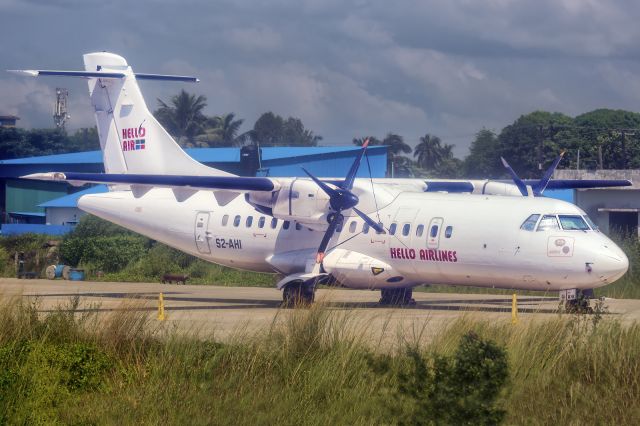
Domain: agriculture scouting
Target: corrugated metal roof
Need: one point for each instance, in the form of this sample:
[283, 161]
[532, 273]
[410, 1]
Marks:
[203, 155]
[71, 200]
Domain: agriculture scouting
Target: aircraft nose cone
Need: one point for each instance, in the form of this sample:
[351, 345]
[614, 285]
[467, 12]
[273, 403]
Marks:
[611, 265]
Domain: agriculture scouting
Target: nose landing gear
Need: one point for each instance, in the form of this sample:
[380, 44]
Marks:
[577, 301]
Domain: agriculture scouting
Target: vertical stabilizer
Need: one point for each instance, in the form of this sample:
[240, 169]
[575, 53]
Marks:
[131, 139]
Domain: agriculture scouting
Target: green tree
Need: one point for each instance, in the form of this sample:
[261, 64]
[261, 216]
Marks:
[183, 117]
[483, 161]
[222, 130]
[533, 141]
[273, 130]
[429, 152]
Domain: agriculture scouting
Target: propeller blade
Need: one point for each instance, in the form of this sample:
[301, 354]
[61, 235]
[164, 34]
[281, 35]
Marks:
[519, 183]
[351, 176]
[337, 218]
[372, 223]
[539, 187]
[326, 188]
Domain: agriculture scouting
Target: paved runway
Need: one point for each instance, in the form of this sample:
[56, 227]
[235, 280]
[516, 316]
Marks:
[232, 311]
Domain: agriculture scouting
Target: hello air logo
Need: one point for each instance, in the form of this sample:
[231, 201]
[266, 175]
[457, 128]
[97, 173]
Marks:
[133, 138]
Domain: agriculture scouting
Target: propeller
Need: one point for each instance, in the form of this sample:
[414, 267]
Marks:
[538, 187]
[341, 198]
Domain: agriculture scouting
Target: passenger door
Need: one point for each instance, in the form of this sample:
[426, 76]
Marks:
[201, 233]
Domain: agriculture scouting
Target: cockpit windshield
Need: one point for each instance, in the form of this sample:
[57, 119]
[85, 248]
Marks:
[530, 223]
[573, 223]
[548, 222]
[590, 223]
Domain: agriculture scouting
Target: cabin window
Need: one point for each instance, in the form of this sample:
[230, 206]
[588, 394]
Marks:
[225, 220]
[365, 228]
[419, 230]
[406, 229]
[392, 229]
[249, 221]
[236, 221]
[274, 223]
[530, 223]
[548, 222]
[261, 222]
[352, 227]
[573, 223]
[448, 231]
[298, 226]
[434, 231]
[285, 225]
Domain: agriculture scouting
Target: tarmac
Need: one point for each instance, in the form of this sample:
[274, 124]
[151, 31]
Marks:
[230, 312]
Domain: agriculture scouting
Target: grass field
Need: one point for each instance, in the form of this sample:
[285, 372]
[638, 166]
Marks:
[70, 367]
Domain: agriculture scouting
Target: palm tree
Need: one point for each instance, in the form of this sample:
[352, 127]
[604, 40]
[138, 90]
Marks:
[396, 144]
[372, 141]
[430, 151]
[183, 117]
[222, 130]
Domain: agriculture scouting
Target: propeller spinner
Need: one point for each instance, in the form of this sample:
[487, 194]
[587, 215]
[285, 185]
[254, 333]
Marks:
[341, 198]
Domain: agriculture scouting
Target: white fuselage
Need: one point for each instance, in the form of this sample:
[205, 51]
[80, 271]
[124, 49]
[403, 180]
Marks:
[455, 239]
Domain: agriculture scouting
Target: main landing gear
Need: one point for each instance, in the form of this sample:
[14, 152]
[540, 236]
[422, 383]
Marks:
[298, 294]
[397, 297]
[577, 301]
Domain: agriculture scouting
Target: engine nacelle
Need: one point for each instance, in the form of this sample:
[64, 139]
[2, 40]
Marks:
[300, 200]
[501, 188]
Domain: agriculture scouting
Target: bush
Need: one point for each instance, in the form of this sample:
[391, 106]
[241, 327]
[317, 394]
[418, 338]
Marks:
[458, 389]
[108, 254]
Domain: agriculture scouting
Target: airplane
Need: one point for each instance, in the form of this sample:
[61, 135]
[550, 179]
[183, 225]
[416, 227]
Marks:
[380, 234]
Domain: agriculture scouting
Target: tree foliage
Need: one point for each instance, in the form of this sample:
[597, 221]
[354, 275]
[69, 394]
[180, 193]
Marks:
[20, 143]
[182, 117]
[273, 130]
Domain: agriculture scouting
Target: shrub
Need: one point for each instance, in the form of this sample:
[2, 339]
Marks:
[107, 254]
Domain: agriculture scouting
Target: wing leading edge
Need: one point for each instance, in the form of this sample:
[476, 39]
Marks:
[229, 183]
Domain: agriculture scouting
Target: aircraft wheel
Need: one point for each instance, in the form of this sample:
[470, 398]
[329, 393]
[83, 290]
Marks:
[297, 294]
[397, 297]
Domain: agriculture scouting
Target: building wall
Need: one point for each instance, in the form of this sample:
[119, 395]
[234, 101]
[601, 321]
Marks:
[63, 215]
[25, 195]
[593, 199]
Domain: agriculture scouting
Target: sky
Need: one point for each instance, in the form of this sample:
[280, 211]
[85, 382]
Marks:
[346, 68]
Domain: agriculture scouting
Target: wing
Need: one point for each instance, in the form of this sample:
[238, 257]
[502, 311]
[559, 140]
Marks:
[228, 183]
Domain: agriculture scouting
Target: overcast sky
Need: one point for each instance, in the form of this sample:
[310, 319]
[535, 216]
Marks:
[346, 68]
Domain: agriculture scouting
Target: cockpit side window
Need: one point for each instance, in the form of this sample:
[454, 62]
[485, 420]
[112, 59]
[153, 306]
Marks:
[573, 223]
[590, 222]
[548, 222]
[530, 223]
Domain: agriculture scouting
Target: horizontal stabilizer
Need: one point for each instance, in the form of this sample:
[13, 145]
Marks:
[230, 183]
[104, 74]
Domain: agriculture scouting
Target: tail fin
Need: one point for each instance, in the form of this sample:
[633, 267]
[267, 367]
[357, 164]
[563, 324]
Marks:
[131, 139]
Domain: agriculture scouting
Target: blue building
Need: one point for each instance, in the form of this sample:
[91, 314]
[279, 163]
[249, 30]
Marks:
[51, 207]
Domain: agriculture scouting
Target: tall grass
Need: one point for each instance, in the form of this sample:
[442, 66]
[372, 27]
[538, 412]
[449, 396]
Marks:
[310, 366]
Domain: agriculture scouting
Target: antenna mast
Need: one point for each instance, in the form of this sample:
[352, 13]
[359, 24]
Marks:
[60, 115]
